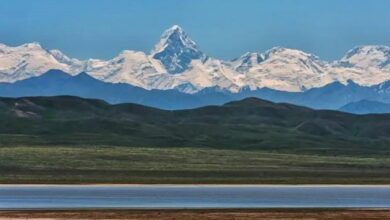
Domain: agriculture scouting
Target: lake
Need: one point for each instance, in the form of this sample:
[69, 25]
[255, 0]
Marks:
[192, 196]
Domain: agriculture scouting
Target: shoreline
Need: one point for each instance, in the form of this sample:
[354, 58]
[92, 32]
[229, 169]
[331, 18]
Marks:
[195, 197]
[191, 185]
[208, 214]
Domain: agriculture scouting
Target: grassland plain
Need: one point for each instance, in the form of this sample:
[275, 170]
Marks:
[107, 164]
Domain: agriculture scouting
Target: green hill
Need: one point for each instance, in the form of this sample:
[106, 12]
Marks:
[248, 124]
[70, 139]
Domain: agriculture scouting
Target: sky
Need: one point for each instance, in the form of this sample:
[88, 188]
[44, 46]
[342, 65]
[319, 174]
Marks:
[223, 29]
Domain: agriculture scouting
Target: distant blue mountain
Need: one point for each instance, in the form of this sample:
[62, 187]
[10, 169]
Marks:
[331, 96]
[366, 107]
[55, 82]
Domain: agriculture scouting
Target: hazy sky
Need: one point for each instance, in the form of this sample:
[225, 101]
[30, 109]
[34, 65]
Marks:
[222, 28]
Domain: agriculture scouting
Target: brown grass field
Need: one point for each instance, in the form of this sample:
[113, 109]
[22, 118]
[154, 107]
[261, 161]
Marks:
[233, 214]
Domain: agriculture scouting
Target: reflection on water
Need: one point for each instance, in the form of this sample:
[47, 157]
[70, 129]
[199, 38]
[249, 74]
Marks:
[194, 196]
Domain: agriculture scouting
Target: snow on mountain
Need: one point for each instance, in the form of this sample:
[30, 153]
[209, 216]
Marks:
[176, 50]
[294, 70]
[73, 65]
[211, 73]
[135, 68]
[32, 59]
[247, 61]
[366, 57]
[383, 88]
[365, 65]
[176, 62]
[287, 70]
[363, 77]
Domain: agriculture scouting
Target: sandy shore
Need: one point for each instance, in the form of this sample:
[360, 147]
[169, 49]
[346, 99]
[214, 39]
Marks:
[193, 185]
[234, 214]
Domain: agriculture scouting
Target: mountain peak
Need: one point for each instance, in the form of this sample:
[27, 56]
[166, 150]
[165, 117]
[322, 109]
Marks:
[174, 34]
[176, 50]
[289, 52]
[53, 74]
[33, 45]
[367, 56]
[176, 28]
[366, 50]
[290, 55]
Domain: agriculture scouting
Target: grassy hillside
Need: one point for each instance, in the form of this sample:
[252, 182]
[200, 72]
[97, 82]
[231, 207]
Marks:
[69, 139]
[247, 124]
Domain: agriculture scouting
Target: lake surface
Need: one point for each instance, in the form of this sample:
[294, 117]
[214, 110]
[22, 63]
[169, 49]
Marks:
[191, 196]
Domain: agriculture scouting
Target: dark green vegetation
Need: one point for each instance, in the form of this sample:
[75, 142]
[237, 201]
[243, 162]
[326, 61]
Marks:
[69, 139]
[88, 164]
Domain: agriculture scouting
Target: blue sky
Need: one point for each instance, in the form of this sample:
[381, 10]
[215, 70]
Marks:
[222, 28]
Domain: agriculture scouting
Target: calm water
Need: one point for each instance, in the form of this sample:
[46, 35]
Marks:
[176, 196]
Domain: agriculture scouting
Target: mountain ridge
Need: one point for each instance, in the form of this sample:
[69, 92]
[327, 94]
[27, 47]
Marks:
[56, 82]
[366, 107]
[177, 63]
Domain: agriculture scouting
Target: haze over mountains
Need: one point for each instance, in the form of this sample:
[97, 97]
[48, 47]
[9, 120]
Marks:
[366, 107]
[176, 70]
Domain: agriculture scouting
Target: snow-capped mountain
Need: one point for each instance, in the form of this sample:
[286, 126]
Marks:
[135, 68]
[365, 65]
[176, 50]
[366, 57]
[176, 62]
[28, 60]
[247, 61]
[287, 70]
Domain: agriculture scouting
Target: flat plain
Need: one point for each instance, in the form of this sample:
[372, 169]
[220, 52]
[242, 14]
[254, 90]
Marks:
[107, 164]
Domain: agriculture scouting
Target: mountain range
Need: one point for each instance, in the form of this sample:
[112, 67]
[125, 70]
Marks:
[176, 74]
[366, 107]
[56, 82]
